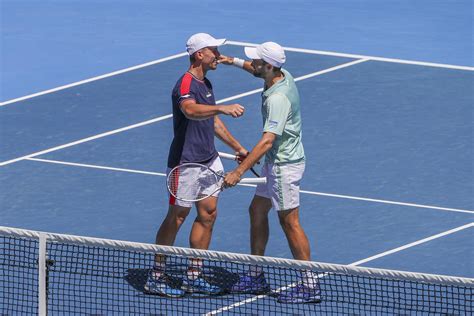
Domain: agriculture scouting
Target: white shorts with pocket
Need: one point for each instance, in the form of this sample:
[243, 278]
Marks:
[189, 176]
[283, 184]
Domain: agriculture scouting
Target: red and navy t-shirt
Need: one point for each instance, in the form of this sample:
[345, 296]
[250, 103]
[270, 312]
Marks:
[193, 140]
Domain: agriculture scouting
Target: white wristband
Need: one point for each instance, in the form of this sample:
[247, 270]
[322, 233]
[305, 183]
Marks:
[238, 62]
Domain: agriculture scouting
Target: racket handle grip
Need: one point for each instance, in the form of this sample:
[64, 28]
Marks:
[227, 156]
[253, 180]
[230, 157]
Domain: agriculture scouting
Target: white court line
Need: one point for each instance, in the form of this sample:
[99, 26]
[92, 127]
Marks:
[413, 244]
[253, 185]
[387, 202]
[237, 43]
[380, 255]
[164, 117]
[58, 162]
[314, 74]
[332, 69]
[389, 60]
[118, 72]
[87, 139]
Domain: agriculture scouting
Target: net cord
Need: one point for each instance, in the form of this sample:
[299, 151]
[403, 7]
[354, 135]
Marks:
[241, 258]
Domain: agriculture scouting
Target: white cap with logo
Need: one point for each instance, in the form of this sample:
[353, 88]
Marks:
[200, 40]
[270, 52]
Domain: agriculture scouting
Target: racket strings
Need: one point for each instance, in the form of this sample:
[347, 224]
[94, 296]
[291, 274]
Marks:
[192, 182]
[207, 182]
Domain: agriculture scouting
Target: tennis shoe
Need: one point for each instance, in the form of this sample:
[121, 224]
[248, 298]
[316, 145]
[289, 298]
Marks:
[161, 286]
[251, 285]
[300, 294]
[200, 286]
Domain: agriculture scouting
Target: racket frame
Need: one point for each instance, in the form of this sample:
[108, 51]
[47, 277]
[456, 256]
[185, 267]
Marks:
[217, 175]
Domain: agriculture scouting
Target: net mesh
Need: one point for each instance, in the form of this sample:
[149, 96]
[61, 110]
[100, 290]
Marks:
[106, 278]
[18, 276]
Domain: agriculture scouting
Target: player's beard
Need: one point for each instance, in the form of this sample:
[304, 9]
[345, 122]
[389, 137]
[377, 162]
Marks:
[258, 73]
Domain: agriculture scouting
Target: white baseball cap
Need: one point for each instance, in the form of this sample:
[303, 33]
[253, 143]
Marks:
[200, 40]
[270, 52]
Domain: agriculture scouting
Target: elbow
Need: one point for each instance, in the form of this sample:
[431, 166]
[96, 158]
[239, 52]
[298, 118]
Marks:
[190, 114]
[267, 141]
[267, 144]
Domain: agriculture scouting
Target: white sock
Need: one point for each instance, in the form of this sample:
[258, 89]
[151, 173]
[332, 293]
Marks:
[194, 269]
[193, 274]
[158, 270]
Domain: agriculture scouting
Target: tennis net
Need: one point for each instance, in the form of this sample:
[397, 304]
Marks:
[55, 274]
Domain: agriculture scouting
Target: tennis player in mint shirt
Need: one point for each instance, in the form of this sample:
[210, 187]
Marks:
[284, 167]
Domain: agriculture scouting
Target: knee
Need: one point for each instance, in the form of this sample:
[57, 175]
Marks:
[289, 224]
[208, 217]
[259, 207]
[257, 216]
[180, 218]
[177, 218]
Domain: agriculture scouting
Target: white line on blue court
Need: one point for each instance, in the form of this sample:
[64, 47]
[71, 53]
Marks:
[314, 74]
[157, 119]
[386, 201]
[252, 185]
[74, 164]
[118, 72]
[357, 263]
[413, 244]
[389, 60]
[80, 141]
[237, 43]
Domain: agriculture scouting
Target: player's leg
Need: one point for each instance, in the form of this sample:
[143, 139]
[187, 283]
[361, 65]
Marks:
[287, 194]
[259, 230]
[158, 282]
[295, 235]
[200, 238]
[253, 281]
[308, 290]
[169, 228]
[201, 232]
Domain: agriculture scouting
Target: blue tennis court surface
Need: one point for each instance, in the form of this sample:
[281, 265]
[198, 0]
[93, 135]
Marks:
[389, 177]
[389, 160]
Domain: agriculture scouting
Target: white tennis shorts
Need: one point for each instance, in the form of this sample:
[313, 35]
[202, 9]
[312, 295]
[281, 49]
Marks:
[189, 176]
[283, 184]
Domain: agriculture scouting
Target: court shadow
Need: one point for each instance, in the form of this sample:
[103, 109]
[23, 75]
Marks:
[220, 277]
[137, 279]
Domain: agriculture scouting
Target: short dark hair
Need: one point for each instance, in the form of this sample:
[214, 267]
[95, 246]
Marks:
[192, 58]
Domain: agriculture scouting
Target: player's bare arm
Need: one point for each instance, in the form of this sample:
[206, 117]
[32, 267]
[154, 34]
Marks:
[264, 145]
[196, 111]
[227, 60]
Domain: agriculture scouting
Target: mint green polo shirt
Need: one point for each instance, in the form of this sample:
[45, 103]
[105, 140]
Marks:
[282, 117]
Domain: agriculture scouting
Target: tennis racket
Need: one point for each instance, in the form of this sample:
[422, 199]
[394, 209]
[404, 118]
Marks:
[206, 182]
[236, 158]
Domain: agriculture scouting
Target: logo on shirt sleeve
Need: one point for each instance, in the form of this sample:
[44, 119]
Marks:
[272, 124]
